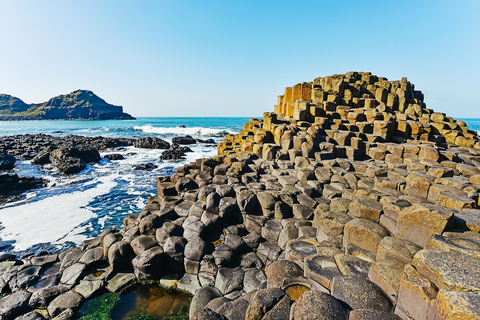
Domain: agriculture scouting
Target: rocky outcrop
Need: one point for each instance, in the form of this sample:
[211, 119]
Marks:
[351, 201]
[80, 104]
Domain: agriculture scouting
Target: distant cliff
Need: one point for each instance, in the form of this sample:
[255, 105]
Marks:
[78, 105]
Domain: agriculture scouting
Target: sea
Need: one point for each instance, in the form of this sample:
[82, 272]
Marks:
[74, 208]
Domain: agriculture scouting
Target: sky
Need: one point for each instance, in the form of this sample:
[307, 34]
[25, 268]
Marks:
[233, 58]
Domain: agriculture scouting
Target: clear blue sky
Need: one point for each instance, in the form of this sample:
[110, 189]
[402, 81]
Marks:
[233, 58]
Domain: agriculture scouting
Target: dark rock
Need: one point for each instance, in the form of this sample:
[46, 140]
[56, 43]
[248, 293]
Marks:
[151, 143]
[360, 293]
[151, 261]
[14, 304]
[119, 256]
[32, 315]
[7, 161]
[168, 230]
[145, 166]
[183, 140]
[229, 280]
[114, 156]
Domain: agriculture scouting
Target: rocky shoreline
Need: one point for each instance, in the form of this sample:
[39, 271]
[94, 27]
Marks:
[352, 200]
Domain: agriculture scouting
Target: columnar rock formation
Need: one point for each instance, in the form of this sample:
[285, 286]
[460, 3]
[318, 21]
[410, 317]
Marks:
[351, 201]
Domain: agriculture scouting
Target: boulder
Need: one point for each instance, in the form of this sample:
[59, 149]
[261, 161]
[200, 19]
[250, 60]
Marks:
[365, 208]
[69, 299]
[14, 304]
[281, 269]
[316, 305]
[184, 140]
[151, 143]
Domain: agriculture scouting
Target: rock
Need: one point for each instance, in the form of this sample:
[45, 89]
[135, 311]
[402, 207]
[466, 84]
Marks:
[189, 283]
[119, 256]
[72, 274]
[456, 305]
[142, 243]
[316, 305]
[263, 302]
[372, 314]
[299, 249]
[350, 265]
[281, 269]
[168, 229]
[151, 261]
[207, 314]
[114, 156]
[14, 304]
[387, 274]
[203, 296]
[151, 143]
[451, 270]
[419, 222]
[302, 212]
[88, 288]
[69, 299]
[365, 208]
[253, 279]
[235, 310]
[195, 249]
[364, 234]
[7, 162]
[145, 166]
[360, 293]
[32, 315]
[229, 280]
[393, 248]
[184, 140]
[120, 281]
[73, 159]
[321, 269]
[415, 296]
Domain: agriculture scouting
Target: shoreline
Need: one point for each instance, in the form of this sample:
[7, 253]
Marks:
[318, 210]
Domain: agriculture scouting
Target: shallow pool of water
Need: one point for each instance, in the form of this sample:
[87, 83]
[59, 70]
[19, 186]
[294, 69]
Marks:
[141, 302]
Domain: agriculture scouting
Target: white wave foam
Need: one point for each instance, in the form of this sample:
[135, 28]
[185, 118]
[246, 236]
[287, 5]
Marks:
[200, 131]
[55, 220]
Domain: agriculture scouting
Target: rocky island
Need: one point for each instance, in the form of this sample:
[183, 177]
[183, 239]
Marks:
[352, 200]
[78, 105]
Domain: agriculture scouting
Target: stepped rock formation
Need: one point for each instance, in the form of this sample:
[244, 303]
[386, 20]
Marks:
[351, 200]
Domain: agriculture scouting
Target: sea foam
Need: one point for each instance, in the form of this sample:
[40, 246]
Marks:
[200, 131]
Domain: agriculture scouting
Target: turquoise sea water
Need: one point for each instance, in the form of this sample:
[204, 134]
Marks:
[74, 208]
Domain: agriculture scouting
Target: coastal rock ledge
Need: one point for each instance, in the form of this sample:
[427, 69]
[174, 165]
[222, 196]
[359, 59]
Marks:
[352, 200]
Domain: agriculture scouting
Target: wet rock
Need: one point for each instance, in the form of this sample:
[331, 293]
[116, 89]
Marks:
[151, 143]
[73, 159]
[7, 161]
[184, 140]
[145, 166]
[114, 156]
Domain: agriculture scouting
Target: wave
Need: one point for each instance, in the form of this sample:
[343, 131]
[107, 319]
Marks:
[199, 131]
